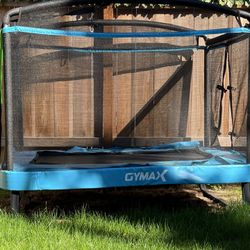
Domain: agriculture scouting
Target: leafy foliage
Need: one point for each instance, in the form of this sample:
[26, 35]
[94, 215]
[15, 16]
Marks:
[228, 3]
[231, 3]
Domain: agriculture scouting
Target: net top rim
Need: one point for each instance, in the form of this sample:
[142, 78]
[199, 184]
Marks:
[187, 3]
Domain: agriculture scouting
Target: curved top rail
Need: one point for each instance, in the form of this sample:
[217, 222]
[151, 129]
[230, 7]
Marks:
[117, 22]
[187, 3]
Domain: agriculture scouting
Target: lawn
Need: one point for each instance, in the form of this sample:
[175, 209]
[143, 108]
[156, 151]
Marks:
[143, 226]
[148, 228]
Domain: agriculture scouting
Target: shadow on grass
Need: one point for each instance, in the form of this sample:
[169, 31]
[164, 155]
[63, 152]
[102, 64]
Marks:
[180, 218]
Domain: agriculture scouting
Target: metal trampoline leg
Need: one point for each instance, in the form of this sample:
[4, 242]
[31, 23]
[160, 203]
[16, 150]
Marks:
[246, 192]
[15, 201]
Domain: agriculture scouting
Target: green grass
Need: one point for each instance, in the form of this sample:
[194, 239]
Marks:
[147, 228]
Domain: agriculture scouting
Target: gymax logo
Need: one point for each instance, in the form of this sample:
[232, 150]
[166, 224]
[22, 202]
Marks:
[146, 176]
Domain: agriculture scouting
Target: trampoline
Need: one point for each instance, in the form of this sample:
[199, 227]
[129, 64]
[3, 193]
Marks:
[102, 95]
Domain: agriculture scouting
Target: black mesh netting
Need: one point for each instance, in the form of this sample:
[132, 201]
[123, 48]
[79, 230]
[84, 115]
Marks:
[215, 80]
[228, 75]
[58, 81]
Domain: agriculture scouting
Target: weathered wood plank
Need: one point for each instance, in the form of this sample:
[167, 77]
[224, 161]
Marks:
[103, 104]
[61, 142]
[147, 141]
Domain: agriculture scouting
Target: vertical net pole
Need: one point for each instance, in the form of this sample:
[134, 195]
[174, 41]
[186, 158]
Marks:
[8, 101]
[246, 186]
[1, 100]
[207, 102]
[1, 65]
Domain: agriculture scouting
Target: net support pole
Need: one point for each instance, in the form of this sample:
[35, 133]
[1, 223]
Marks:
[246, 186]
[107, 86]
[98, 81]
[207, 103]
[8, 101]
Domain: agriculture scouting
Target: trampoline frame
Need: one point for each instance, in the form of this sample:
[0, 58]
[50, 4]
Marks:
[17, 181]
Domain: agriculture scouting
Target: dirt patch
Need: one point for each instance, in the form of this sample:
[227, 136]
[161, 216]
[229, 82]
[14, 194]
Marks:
[111, 200]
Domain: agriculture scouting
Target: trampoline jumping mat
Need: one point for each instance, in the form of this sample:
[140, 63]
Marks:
[57, 157]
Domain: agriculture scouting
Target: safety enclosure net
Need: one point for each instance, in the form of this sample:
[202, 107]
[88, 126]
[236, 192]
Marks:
[87, 75]
[228, 74]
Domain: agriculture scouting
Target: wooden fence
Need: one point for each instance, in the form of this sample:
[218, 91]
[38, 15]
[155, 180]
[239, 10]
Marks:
[71, 113]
